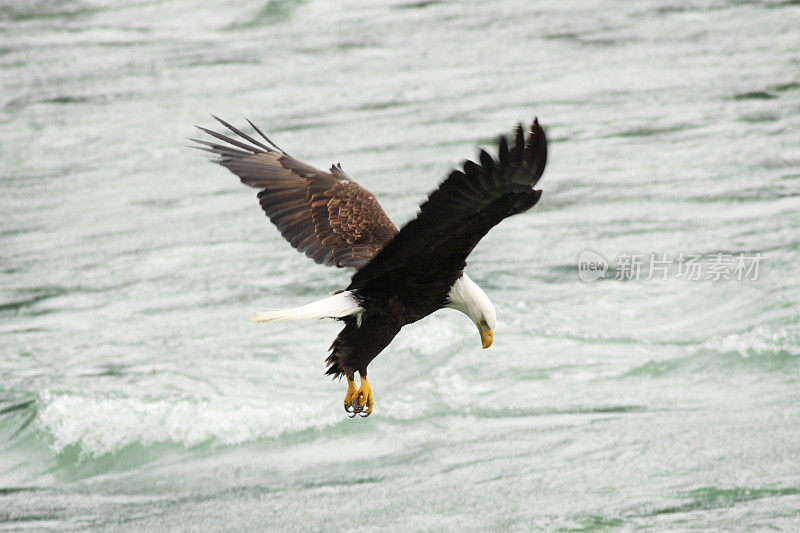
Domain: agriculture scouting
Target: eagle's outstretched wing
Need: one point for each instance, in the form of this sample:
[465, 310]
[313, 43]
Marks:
[325, 215]
[462, 210]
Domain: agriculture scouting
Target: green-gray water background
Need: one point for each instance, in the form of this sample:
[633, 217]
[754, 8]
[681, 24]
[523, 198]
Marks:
[136, 395]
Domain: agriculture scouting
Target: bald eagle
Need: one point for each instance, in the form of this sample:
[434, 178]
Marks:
[401, 275]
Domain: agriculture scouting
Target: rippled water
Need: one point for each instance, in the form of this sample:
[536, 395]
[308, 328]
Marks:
[135, 394]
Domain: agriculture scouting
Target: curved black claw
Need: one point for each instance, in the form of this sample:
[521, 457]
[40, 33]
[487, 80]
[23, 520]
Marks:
[365, 414]
[353, 408]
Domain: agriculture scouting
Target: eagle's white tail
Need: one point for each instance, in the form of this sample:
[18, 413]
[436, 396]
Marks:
[335, 306]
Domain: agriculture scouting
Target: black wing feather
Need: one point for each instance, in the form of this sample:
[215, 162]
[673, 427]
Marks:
[462, 210]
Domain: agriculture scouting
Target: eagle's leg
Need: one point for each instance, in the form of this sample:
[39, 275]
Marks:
[351, 397]
[364, 397]
[353, 350]
[358, 401]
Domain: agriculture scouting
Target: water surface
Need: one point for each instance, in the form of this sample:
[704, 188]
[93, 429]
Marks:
[136, 395]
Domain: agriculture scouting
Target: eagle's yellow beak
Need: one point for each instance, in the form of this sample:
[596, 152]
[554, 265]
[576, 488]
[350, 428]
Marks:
[487, 336]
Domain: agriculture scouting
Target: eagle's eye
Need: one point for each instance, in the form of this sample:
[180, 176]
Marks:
[484, 322]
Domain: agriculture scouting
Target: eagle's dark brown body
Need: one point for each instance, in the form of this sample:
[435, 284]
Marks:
[400, 304]
[401, 276]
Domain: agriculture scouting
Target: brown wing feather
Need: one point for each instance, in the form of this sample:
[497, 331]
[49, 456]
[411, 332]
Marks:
[325, 215]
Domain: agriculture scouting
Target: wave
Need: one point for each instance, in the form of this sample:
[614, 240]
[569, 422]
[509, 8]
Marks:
[764, 349]
[100, 426]
[761, 342]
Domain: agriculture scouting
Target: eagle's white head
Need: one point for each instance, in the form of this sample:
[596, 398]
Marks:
[467, 297]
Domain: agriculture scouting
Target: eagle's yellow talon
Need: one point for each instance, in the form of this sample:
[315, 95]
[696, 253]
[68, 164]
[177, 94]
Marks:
[365, 398]
[358, 400]
[368, 411]
[351, 395]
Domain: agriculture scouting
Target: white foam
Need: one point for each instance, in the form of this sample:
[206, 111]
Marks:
[760, 342]
[100, 426]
